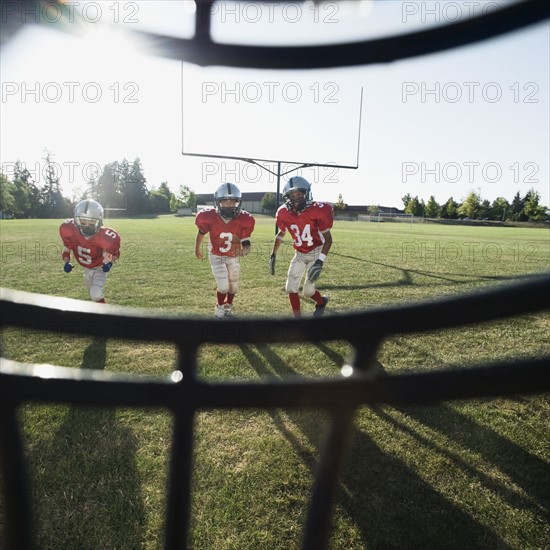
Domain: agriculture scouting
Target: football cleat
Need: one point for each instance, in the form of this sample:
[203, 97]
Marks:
[219, 312]
[228, 308]
[319, 310]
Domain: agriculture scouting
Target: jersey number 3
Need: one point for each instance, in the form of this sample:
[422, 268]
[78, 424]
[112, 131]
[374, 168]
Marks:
[228, 242]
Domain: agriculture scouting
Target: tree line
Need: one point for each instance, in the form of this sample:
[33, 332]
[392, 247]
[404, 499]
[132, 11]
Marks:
[121, 185]
[526, 208]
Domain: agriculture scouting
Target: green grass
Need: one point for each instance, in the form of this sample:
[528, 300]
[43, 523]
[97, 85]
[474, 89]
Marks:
[455, 475]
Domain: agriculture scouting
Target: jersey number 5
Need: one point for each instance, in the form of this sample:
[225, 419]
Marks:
[304, 236]
[84, 255]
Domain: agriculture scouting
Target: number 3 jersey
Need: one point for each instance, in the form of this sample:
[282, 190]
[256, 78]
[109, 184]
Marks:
[225, 235]
[89, 252]
[307, 227]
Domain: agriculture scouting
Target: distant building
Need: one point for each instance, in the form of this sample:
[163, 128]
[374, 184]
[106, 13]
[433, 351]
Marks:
[353, 211]
[250, 201]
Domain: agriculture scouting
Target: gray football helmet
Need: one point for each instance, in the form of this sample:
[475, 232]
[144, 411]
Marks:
[88, 217]
[228, 191]
[297, 183]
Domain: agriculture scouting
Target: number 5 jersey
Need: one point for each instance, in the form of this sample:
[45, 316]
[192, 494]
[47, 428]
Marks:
[92, 251]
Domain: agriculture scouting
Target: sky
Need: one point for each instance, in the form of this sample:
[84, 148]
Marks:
[474, 119]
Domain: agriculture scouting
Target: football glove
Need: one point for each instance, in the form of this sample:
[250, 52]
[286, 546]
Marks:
[245, 251]
[107, 267]
[68, 267]
[272, 264]
[314, 271]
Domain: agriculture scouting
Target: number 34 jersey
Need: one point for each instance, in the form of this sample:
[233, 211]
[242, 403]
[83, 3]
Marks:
[225, 235]
[307, 227]
[89, 252]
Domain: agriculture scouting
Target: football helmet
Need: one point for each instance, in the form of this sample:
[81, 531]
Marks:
[297, 183]
[88, 217]
[228, 191]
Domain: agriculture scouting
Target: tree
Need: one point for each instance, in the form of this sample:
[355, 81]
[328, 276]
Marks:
[136, 194]
[433, 210]
[470, 207]
[340, 204]
[374, 209]
[107, 189]
[499, 209]
[268, 203]
[161, 199]
[414, 206]
[186, 198]
[532, 209]
[450, 209]
[406, 200]
[484, 211]
[25, 193]
[516, 208]
[6, 198]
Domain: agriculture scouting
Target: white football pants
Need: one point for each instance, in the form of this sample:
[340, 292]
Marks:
[298, 266]
[227, 272]
[94, 279]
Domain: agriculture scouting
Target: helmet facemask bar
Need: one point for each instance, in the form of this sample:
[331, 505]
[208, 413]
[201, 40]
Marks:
[88, 227]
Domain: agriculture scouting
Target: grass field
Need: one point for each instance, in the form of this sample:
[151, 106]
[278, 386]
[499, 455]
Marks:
[453, 475]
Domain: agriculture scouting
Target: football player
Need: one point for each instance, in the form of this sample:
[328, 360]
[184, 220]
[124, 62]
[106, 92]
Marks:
[229, 228]
[309, 224]
[94, 247]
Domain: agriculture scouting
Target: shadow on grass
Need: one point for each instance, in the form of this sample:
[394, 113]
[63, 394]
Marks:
[87, 492]
[440, 278]
[526, 471]
[385, 499]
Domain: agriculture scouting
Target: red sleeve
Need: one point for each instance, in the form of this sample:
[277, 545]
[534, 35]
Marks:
[66, 231]
[202, 221]
[280, 218]
[110, 241]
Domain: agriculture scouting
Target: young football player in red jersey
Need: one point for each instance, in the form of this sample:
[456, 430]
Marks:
[94, 247]
[309, 224]
[230, 229]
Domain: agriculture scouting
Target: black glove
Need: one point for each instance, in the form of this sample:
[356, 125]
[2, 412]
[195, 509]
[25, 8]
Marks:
[314, 271]
[272, 264]
[107, 267]
[68, 267]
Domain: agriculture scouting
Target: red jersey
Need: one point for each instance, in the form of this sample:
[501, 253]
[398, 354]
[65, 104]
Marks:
[225, 235]
[307, 227]
[88, 252]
